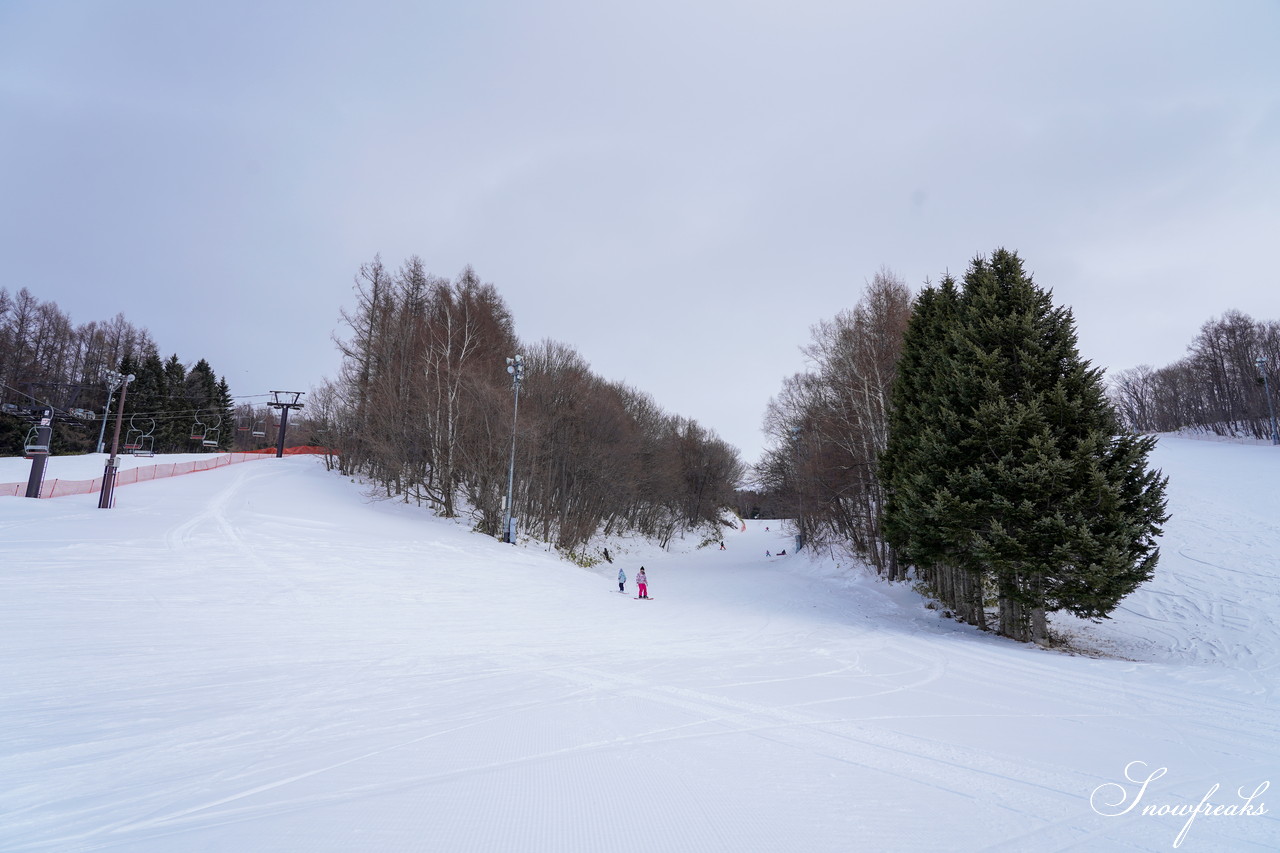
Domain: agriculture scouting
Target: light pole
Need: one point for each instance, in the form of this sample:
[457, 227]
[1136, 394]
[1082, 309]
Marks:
[795, 464]
[515, 366]
[1266, 389]
[115, 380]
[109, 474]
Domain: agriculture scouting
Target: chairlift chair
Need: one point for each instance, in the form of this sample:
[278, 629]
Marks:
[258, 431]
[197, 430]
[144, 442]
[210, 437]
[32, 446]
[133, 437]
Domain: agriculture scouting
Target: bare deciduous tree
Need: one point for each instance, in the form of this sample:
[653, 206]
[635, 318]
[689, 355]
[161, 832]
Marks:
[1215, 388]
[828, 426]
[424, 409]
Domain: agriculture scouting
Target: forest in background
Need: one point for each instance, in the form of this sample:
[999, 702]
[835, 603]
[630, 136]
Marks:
[828, 426]
[425, 409]
[46, 361]
[1225, 385]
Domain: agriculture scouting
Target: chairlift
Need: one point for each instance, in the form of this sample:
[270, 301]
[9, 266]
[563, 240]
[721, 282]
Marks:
[258, 431]
[140, 439]
[210, 437]
[32, 446]
[197, 430]
[133, 437]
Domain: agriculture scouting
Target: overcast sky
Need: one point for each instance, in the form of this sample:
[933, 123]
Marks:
[678, 190]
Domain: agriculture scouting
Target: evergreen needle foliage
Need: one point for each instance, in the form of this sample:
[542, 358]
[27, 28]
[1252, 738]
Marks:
[1003, 469]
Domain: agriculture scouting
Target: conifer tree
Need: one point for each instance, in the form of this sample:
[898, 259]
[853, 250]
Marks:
[226, 411]
[176, 424]
[924, 521]
[201, 391]
[147, 394]
[1003, 459]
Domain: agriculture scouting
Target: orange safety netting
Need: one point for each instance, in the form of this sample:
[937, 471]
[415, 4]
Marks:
[56, 488]
[292, 451]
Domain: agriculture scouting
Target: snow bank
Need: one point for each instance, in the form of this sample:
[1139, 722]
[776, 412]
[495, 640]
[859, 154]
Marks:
[258, 659]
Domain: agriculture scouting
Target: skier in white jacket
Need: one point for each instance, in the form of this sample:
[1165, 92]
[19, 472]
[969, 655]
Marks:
[622, 581]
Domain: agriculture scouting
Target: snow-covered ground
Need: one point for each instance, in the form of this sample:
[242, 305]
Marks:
[257, 658]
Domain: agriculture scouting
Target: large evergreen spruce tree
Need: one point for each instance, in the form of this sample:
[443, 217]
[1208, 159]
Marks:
[147, 395]
[1003, 467]
[201, 391]
[225, 408]
[922, 519]
[177, 415]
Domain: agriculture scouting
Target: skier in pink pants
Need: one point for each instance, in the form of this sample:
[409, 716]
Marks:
[642, 583]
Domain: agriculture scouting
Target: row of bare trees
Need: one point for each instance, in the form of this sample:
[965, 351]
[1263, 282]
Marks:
[828, 425]
[1217, 387]
[423, 408]
[44, 355]
[48, 361]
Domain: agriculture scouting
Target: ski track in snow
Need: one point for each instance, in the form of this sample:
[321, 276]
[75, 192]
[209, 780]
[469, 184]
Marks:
[256, 658]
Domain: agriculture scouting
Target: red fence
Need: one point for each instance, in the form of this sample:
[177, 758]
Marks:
[58, 488]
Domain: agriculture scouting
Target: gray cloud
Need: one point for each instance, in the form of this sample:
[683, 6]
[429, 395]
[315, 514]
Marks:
[678, 190]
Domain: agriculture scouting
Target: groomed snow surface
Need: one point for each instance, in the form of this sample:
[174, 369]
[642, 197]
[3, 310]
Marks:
[261, 658]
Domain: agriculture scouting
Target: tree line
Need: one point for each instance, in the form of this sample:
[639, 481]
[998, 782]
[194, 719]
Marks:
[424, 409]
[958, 438]
[48, 361]
[827, 427]
[180, 410]
[1218, 387]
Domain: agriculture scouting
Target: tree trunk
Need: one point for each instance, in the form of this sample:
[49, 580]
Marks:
[980, 601]
[1039, 620]
[1013, 615]
[1039, 627]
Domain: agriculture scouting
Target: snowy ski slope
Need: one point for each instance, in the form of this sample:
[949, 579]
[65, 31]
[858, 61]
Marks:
[258, 658]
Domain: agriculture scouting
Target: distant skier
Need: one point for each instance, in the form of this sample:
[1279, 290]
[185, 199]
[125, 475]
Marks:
[722, 546]
[622, 581]
[767, 554]
[642, 583]
[782, 553]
